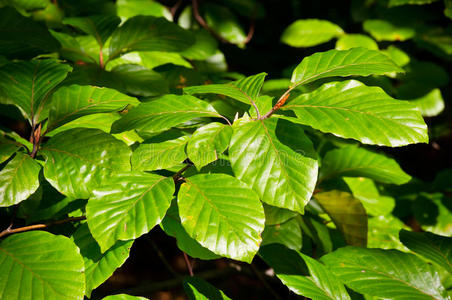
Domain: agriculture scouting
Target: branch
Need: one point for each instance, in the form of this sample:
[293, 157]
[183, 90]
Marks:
[9, 230]
[189, 265]
[177, 176]
[278, 104]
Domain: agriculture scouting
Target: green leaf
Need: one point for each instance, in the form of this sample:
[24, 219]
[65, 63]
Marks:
[172, 226]
[39, 265]
[245, 90]
[276, 215]
[291, 268]
[310, 32]
[71, 102]
[385, 273]
[18, 179]
[347, 213]
[448, 8]
[366, 191]
[356, 61]
[287, 234]
[77, 48]
[222, 214]
[153, 59]
[23, 37]
[207, 143]
[383, 30]
[356, 40]
[99, 26]
[277, 160]
[147, 33]
[164, 113]
[127, 206]
[359, 162]
[431, 104]
[350, 109]
[7, 148]
[78, 160]
[99, 267]
[204, 47]
[224, 22]
[28, 5]
[198, 289]
[130, 8]
[411, 2]
[434, 247]
[28, 84]
[400, 57]
[123, 297]
[156, 156]
[384, 233]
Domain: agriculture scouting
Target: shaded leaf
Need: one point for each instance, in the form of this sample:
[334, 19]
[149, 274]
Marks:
[356, 61]
[384, 233]
[18, 179]
[310, 32]
[75, 168]
[224, 22]
[198, 289]
[385, 273]
[222, 214]
[276, 215]
[7, 148]
[410, 2]
[39, 265]
[287, 234]
[127, 206]
[347, 213]
[99, 26]
[350, 109]
[358, 162]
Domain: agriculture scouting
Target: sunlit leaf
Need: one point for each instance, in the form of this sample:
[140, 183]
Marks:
[310, 32]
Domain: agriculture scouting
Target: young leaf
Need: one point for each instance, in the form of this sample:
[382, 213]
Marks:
[99, 26]
[287, 234]
[207, 143]
[359, 162]
[147, 33]
[164, 113]
[18, 179]
[291, 268]
[245, 90]
[347, 213]
[350, 109]
[310, 32]
[99, 267]
[383, 30]
[172, 226]
[127, 206]
[157, 156]
[222, 214]
[349, 41]
[28, 84]
[385, 273]
[277, 160]
[78, 160]
[198, 289]
[356, 61]
[434, 247]
[89, 100]
[40, 266]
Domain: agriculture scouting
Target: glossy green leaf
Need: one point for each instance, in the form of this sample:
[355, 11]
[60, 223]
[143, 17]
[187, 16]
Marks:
[204, 47]
[276, 215]
[245, 90]
[207, 143]
[287, 234]
[366, 191]
[385, 273]
[222, 214]
[224, 22]
[172, 226]
[198, 289]
[28, 84]
[349, 41]
[431, 104]
[147, 33]
[310, 32]
[277, 160]
[410, 2]
[71, 102]
[359, 162]
[127, 206]
[123, 297]
[156, 156]
[152, 59]
[383, 30]
[347, 213]
[130, 8]
[23, 37]
[350, 109]
[434, 247]
[292, 268]
[164, 113]
[99, 26]
[384, 233]
[18, 179]
[40, 266]
[356, 61]
[76, 49]
[400, 57]
[99, 267]
[7, 148]
[75, 168]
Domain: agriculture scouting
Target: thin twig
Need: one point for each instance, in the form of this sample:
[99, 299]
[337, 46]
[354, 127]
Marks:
[36, 140]
[264, 282]
[177, 176]
[175, 7]
[9, 230]
[278, 104]
[162, 258]
[189, 265]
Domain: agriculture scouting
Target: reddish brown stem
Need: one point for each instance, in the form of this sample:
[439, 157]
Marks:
[101, 58]
[188, 263]
[278, 104]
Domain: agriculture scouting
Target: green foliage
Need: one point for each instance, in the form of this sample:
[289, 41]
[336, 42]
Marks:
[122, 118]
